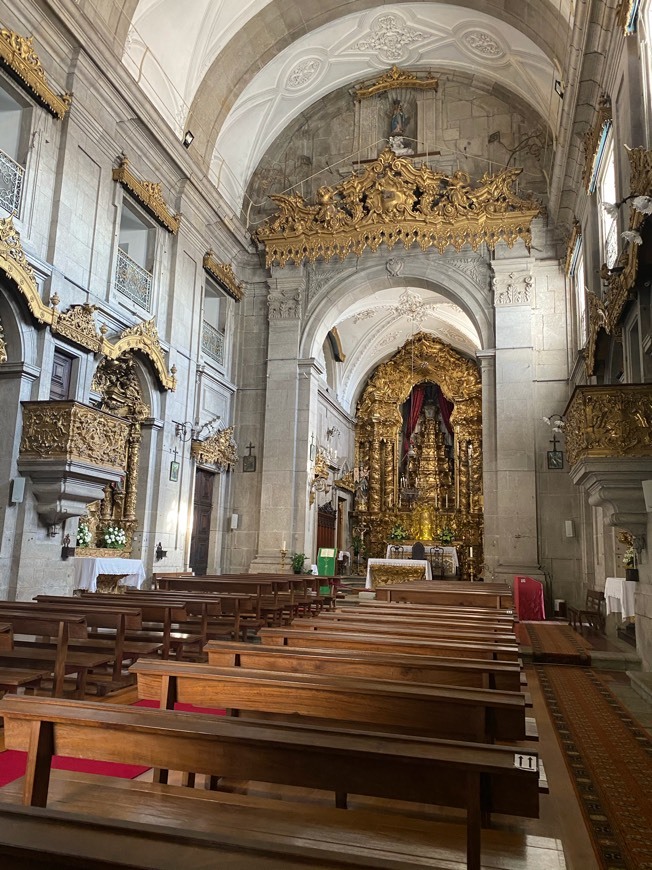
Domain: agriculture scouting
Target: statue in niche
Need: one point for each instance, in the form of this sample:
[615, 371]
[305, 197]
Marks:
[398, 121]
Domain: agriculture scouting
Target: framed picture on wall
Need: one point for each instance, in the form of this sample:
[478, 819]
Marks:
[174, 471]
[248, 463]
[555, 459]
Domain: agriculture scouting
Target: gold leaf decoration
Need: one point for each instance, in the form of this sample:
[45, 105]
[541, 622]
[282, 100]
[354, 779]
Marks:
[3, 345]
[72, 431]
[149, 194]
[219, 449]
[592, 137]
[224, 275]
[144, 337]
[609, 421]
[396, 78]
[78, 324]
[389, 202]
[18, 56]
[575, 234]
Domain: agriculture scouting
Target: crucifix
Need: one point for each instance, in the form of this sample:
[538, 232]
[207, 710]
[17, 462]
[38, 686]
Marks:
[555, 456]
[553, 441]
[250, 447]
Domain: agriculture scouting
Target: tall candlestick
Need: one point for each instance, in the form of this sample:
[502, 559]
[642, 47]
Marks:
[446, 498]
[284, 547]
[471, 552]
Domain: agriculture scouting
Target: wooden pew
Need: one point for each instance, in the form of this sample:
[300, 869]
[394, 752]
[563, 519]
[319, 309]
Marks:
[390, 626]
[479, 595]
[38, 624]
[6, 636]
[450, 712]
[432, 611]
[479, 779]
[373, 665]
[308, 637]
[238, 832]
[459, 615]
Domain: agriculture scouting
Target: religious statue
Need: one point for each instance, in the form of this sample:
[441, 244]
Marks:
[398, 121]
[397, 146]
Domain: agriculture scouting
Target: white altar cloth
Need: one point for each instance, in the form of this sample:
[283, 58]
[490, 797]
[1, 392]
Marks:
[396, 563]
[88, 568]
[619, 596]
[450, 556]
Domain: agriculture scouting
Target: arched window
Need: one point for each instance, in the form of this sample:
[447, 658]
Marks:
[577, 278]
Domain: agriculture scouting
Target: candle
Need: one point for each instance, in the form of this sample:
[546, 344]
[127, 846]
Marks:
[284, 547]
[446, 497]
[471, 552]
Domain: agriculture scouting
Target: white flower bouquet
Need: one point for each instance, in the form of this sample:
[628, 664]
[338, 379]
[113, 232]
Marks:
[114, 537]
[84, 536]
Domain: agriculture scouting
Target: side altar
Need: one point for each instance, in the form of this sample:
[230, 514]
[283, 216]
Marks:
[419, 455]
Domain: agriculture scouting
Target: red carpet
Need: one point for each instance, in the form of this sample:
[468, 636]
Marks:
[556, 643]
[13, 764]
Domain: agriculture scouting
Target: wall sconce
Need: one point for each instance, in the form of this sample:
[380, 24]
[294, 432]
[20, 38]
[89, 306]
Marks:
[183, 431]
[556, 423]
[160, 552]
[312, 452]
[332, 431]
[559, 88]
[188, 138]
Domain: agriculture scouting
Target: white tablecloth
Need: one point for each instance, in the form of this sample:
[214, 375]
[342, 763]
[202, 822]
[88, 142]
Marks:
[619, 595]
[397, 562]
[87, 570]
[450, 555]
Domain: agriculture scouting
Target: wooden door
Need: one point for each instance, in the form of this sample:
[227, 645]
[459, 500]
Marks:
[201, 523]
[325, 527]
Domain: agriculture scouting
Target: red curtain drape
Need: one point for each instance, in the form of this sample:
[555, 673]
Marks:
[446, 409]
[416, 404]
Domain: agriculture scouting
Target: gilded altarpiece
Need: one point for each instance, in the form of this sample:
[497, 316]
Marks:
[448, 491]
[117, 385]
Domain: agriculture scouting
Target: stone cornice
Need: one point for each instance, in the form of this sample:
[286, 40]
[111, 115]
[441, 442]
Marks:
[149, 194]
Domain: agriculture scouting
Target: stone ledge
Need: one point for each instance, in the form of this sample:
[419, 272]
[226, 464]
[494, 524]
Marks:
[642, 684]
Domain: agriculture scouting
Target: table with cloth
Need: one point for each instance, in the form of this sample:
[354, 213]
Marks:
[381, 571]
[619, 596]
[451, 561]
[124, 572]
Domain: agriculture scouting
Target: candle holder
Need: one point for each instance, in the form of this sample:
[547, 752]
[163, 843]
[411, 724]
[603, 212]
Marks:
[284, 554]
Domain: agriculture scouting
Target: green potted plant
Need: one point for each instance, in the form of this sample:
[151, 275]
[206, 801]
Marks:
[398, 533]
[446, 536]
[297, 562]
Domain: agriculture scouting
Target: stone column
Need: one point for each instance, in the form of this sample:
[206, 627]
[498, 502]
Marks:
[513, 543]
[281, 458]
[487, 359]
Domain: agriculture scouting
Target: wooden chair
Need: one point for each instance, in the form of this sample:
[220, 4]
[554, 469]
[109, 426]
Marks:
[436, 559]
[418, 551]
[593, 613]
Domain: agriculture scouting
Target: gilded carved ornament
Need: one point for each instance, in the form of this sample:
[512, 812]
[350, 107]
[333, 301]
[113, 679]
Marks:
[78, 322]
[346, 482]
[611, 421]
[593, 137]
[224, 275]
[620, 280]
[627, 16]
[219, 449]
[390, 201]
[3, 345]
[71, 431]
[575, 234]
[18, 56]
[149, 194]
[396, 78]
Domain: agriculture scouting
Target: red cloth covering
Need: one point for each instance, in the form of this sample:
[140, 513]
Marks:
[528, 598]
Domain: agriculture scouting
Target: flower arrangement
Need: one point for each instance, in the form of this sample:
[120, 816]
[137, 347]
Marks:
[446, 536]
[398, 533]
[84, 536]
[114, 537]
[629, 558]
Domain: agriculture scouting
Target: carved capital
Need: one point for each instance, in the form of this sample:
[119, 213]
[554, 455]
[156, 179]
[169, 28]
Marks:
[284, 305]
[515, 288]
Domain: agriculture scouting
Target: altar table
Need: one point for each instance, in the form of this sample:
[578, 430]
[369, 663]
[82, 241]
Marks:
[619, 596]
[405, 570]
[87, 570]
[451, 562]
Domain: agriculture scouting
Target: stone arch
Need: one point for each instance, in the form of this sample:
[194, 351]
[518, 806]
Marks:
[19, 336]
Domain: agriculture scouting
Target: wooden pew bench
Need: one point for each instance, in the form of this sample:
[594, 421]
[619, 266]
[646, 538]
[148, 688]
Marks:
[433, 611]
[458, 594]
[38, 623]
[418, 629]
[12, 679]
[308, 637]
[450, 712]
[6, 636]
[507, 676]
[240, 832]
[479, 779]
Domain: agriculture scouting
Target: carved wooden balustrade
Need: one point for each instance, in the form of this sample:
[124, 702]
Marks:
[609, 445]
